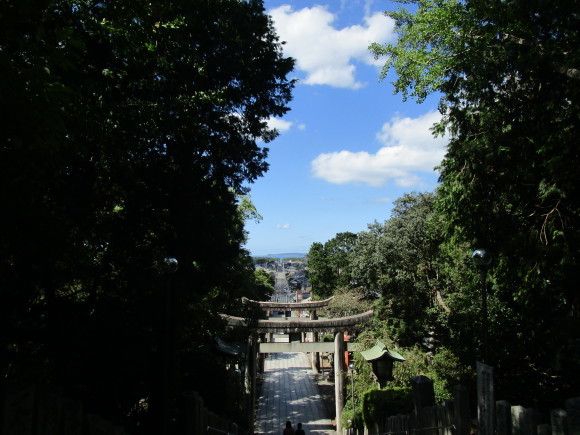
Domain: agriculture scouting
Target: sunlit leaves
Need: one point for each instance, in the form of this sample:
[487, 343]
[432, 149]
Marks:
[427, 44]
[509, 97]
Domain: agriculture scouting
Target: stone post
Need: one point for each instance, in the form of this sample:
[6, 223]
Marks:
[573, 415]
[248, 368]
[254, 374]
[315, 355]
[559, 421]
[461, 404]
[260, 356]
[339, 377]
[250, 374]
[423, 393]
[523, 421]
[423, 400]
[485, 399]
[503, 417]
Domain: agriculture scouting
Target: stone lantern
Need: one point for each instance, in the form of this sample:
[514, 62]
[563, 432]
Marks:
[382, 360]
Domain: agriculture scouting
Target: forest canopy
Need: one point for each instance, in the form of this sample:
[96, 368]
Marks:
[129, 131]
[506, 75]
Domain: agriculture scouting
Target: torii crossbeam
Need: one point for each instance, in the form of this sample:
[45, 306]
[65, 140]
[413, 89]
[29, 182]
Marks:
[295, 324]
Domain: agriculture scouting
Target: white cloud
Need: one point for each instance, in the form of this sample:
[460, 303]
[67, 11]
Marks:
[283, 226]
[279, 124]
[409, 147]
[327, 54]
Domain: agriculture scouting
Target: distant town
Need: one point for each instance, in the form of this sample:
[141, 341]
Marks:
[289, 273]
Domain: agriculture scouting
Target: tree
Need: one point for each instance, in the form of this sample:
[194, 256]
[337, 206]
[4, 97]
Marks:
[347, 302]
[397, 261]
[339, 248]
[320, 272]
[130, 129]
[509, 87]
[328, 264]
[264, 285]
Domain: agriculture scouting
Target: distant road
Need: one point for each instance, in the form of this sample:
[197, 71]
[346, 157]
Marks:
[282, 295]
[280, 281]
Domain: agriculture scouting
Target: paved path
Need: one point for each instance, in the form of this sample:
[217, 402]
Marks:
[289, 393]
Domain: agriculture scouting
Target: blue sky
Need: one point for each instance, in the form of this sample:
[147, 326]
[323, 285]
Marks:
[348, 147]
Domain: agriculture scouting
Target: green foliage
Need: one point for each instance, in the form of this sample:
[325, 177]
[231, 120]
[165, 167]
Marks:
[509, 92]
[338, 250]
[320, 273]
[347, 302]
[377, 404]
[329, 265]
[360, 380]
[426, 48]
[129, 129]
[443, 368]
[398, 260]
[350, 419]
[448, 371]
[264, 285]
[248, 209]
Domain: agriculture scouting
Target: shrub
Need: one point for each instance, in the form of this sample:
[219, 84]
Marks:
[444, 369]
[348, 420]
[382, 403]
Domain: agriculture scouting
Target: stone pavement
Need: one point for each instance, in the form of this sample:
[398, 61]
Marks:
[290, 393]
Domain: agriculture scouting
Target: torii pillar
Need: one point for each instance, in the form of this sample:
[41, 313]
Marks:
[315, 355]
[339, 350]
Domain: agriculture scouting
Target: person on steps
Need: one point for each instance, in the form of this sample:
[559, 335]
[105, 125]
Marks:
[299, 430]
[289, 430]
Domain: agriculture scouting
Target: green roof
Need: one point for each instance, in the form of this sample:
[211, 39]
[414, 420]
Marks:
[380, 351]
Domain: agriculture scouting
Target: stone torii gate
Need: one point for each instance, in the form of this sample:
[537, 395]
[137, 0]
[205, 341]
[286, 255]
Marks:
[337, 327]
[311, 306]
